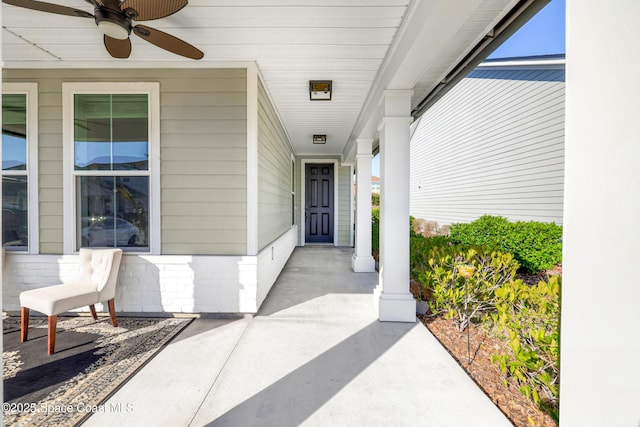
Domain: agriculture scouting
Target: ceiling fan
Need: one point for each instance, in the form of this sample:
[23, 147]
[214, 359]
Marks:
[114, 20]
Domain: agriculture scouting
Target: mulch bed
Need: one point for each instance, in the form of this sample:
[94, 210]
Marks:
[520, 411]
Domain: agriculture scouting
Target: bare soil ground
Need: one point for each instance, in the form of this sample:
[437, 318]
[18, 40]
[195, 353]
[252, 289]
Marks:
[521, 411]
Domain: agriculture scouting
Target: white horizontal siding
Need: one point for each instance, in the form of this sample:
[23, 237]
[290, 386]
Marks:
[203, 155]
[203, 150]
[493, 145]
[274, 173]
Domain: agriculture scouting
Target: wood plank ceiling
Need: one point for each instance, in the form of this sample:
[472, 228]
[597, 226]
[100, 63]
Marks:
[292, 42]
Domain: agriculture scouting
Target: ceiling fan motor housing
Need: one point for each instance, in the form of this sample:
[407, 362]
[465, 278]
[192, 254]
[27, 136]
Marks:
[112, 23]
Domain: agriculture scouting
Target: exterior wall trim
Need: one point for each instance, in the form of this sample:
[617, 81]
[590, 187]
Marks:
[252, 160]
[352, 219]
[33, 117]
[69, 199]
[271, 261]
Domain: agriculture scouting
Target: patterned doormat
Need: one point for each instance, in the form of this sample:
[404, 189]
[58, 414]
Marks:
[92, 360]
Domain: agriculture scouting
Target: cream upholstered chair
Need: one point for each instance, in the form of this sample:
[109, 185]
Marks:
[94, 282]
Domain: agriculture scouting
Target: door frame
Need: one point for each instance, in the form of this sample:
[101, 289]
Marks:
[303, 195]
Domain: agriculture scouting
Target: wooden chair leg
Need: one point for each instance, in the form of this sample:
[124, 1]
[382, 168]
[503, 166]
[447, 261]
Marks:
[24, 323]
[51, 341]
[112, 312]
[93, 312]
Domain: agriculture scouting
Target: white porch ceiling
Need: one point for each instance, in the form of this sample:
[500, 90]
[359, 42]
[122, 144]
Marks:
[364, 46]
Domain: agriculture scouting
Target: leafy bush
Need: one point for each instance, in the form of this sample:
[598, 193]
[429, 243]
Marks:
[462, 282]
[375, 199]
[375, 233]
[530, 317]
[412, 231]
[489, 231]
[537, 246]
[467, 283]
[421, 250]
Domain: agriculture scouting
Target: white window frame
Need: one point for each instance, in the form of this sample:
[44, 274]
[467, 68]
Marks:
[152, 90]
[31, 92]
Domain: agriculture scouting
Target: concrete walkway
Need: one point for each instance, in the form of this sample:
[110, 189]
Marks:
[315, 355]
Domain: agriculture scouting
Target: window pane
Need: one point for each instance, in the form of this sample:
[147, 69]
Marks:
[14, 132]
[15, 214]
[114, 212]
[111, 132]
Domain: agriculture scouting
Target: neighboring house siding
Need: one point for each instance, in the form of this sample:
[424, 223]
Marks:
[202, 147]
[493, 145]
[274, 173]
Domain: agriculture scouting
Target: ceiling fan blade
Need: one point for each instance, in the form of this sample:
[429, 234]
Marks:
[168, 42]
[49, 7]
[152, 9]
[117, 48]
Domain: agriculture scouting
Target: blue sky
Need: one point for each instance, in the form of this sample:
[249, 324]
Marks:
[544, 34]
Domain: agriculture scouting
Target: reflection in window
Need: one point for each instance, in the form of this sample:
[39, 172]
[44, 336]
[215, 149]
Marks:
[111, 132]
[15, 196]
[15, 212]
[14, 132]
[114, 211]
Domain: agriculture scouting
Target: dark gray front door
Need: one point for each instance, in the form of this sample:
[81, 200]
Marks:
[319, 203]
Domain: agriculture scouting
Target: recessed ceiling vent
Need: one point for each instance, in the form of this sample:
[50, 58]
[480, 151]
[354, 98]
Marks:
[319, 139]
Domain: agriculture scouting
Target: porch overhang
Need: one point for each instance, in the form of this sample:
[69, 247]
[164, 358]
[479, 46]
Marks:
[363, 47]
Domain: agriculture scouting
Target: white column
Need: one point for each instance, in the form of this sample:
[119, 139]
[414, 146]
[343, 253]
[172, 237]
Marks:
[363, 261]
[600, 345]
[392, 297]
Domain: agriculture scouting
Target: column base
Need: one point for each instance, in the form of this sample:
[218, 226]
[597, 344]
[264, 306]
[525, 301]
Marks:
[363, 264]
[377, 291]
[395, 307]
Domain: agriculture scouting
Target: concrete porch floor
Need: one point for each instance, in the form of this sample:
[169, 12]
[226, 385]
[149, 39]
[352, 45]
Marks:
[314, 355]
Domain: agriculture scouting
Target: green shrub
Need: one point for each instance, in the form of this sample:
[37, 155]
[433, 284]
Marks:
[462, 282]
[375, 199]
[467, 283]
[412, 231]
[375, 233]
[422, 248]
[537, 246]
[530, 318]
[489, 231]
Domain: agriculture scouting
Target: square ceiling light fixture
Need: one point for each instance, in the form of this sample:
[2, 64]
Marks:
[320, 90]
[319, 139]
